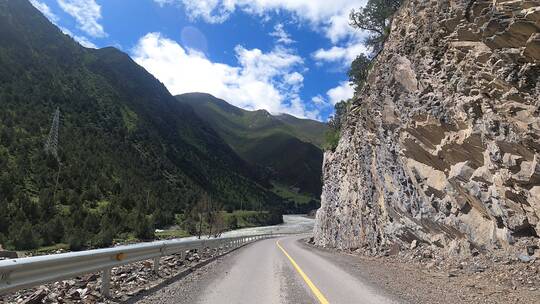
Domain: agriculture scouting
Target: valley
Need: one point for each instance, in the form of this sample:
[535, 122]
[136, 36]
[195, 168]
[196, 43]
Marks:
[307, 151]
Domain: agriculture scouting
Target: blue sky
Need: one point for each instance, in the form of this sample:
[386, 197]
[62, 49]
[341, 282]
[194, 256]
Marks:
[285, 56]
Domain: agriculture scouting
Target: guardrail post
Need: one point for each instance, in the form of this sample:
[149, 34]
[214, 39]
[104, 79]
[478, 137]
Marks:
[156, 265]
[106, 283]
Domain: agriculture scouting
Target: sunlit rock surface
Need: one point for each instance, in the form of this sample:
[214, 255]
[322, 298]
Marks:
[443, 144]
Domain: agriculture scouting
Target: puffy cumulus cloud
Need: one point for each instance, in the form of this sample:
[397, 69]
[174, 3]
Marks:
[281, 35]
[318, 100]
[87, 13]
[342, 92]
[270, 81]
[343, 55]
[328, 17]
[332, 16]
[294, 79]
[45, 10]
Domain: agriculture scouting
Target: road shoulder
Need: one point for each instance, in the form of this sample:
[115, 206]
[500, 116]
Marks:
[416, 282]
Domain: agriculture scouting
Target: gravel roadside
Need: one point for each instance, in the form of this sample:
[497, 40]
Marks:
[192, 286]
[417, 276]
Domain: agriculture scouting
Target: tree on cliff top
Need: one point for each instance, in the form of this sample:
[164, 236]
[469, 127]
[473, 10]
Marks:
[375, 17]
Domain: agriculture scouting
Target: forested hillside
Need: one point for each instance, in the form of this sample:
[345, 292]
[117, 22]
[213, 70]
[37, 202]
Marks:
[130, 156]
[286, 149]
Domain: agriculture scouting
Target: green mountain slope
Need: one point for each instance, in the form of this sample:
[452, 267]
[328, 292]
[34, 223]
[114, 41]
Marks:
[131, 154]
[286, 148]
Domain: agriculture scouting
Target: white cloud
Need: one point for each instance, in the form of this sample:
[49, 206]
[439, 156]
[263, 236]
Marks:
[270, 81]
[80, 39]
[294, 79]
[318, 100]
[87, 13]
[328, 17]
[281, 35]
[342, 55]
[45, 10]
[212, 11]
[84, 42]
[342, 92]
[331, 15]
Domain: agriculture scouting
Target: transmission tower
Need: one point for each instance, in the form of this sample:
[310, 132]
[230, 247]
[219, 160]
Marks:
[51, 146]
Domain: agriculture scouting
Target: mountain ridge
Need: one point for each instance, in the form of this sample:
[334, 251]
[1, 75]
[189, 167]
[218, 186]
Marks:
[285, 148]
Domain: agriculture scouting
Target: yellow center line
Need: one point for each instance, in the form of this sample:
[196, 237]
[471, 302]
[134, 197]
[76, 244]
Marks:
[312, 286]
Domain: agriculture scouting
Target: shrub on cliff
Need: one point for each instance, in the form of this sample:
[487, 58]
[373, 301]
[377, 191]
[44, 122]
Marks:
[331, 139]
[359, 71]
[332, 134]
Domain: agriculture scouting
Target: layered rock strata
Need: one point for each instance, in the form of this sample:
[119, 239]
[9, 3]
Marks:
[443, 144]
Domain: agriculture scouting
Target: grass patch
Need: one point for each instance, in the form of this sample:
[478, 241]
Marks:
[126, 237]
[49, 249]
[247, 219]
[130, 119]
[172, 234]
[289, 194]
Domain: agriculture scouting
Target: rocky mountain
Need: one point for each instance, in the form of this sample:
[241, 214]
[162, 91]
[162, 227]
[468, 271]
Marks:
[286, 149]
[442, 146]
[130, 154]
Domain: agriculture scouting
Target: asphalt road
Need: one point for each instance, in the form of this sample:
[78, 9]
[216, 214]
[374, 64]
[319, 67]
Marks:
[280, 270]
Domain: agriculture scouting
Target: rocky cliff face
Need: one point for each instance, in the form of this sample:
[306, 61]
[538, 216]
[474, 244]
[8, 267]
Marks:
[443, 144]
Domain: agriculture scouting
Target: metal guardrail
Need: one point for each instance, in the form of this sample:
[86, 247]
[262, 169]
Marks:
[22, 273]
